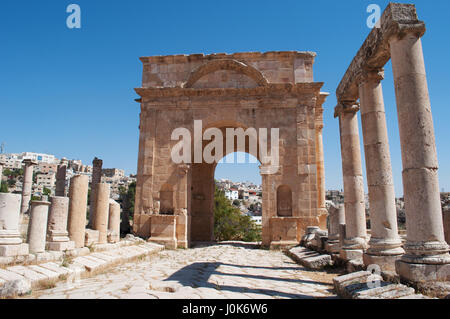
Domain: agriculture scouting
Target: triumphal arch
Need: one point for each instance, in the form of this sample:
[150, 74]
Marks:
[272, 95]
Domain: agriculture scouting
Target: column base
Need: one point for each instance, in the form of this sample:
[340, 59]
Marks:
[60, 246]
[351, 254]
[333, 247]
[14, 250]
[386, 263]
[419, 273]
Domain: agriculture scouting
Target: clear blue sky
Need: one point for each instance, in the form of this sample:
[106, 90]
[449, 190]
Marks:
[70, 92]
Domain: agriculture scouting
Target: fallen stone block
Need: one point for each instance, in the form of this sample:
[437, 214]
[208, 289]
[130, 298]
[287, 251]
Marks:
[389, 291]
[17, 287]
[34, 277]
[309, 259]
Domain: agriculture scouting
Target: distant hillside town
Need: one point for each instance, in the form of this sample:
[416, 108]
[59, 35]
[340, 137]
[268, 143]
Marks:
[247, 196]
[44, 173]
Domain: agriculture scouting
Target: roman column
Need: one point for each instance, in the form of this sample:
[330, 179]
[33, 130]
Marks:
[37, 229]
[385, 244]
[96, 179]
[60, 189]
[426, 250]
[355, 213]
[27, 185]
[78, 193]
[57, 235]
[101, 204]
[114, 222]
[320, 164]
[10, 239]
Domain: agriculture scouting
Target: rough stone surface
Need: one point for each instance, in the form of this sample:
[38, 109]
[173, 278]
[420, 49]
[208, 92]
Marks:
[233, 270]
[78, 193]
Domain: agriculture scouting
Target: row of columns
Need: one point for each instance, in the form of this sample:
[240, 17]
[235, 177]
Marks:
[60, 224]
[425, 243]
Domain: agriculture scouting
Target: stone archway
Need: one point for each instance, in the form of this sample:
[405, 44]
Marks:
[273, 90]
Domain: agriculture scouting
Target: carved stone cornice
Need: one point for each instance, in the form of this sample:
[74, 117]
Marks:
[346, 107]
[272, 90]
[396, 21]
[370, 75]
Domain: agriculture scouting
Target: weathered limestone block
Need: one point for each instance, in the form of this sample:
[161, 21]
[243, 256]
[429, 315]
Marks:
[37, 229]
[78, 193]
[57, 234]
[91, 237]
[114, 222]
[348, 284]
[10, 240]
[102, 211]
[163, 230]
[284, 232]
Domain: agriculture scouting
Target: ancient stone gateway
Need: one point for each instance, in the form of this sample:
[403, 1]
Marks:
[174, 201]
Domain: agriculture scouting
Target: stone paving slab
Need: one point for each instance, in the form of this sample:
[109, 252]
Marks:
[203, 272]
[52, 271]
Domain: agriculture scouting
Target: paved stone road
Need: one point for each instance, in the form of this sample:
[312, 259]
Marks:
[214, 271]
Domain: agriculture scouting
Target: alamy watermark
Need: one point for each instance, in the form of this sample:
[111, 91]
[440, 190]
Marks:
[213, 152]
[373, 21]
[73, 21]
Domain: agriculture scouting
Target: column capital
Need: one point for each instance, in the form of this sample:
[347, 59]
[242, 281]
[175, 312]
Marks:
[29, 162]
[346, 106]
[369, 75]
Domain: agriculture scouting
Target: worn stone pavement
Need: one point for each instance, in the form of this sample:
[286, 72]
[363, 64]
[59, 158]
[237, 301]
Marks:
[231, 270]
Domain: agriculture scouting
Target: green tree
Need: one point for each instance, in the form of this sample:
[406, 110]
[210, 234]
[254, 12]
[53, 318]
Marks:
[126, 197]
[46, 192]
[230, 224]
[4, 187]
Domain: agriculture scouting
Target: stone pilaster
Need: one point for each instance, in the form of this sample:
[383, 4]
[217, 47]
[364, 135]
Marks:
[355, 216]
[385, 244]
[78, 193]
[426, 256]
[27, 185]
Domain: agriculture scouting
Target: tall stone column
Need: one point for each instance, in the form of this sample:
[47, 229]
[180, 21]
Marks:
[27, 185]
[37, 229]
[336, 218]
[10, 240]
[78, 193]
[60, 188]
[320, 166]
[96, 179]
[426, 256]
[57, 235]
[385, 244]
[355, 213]
[114, 222]
[101, 204]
